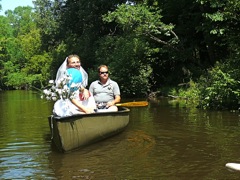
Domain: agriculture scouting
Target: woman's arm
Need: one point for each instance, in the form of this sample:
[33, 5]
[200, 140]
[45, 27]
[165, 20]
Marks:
[85, 93]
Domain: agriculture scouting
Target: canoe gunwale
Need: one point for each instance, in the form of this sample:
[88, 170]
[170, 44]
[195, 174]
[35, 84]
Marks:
[121, 110]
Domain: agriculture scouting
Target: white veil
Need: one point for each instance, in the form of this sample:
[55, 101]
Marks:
[62, 72]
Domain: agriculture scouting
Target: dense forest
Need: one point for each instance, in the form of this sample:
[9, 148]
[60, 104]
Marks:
[182, 48]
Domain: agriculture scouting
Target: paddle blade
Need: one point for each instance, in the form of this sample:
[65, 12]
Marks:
[233, 166]
[134, 104]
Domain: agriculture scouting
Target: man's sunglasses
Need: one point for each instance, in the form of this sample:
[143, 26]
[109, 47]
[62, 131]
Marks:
[104, 72]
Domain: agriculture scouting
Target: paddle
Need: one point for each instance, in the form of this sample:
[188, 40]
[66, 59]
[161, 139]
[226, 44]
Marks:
[133, 104]
[233, 166]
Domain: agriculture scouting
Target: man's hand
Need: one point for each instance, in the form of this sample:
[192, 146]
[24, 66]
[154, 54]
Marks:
[110, 103]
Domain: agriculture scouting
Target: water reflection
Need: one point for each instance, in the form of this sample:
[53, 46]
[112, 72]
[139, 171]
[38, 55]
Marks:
[165, 140]
[23, 147]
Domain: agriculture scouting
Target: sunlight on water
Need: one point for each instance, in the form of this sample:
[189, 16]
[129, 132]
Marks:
[162, 141]
[23, 146]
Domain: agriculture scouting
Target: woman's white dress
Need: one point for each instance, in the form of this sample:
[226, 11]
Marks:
[64, 107]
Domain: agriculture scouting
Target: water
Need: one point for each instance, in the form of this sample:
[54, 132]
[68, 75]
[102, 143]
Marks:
[163, 141]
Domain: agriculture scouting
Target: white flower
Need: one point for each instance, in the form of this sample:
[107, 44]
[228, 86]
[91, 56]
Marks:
[65, 88]
[46, 91]
[53, 94]
[60, 90]
[51, 82]
[59, 81]
[54, 98]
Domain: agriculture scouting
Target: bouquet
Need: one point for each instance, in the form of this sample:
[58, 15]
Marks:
[60, 89]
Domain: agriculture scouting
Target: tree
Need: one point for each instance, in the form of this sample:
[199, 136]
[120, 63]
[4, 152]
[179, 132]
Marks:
[47, 17]
[125, 57]
[142, 23]
[25, 64]
[82, 26]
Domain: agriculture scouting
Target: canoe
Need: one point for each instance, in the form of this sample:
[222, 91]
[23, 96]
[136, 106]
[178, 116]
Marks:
[73, 132]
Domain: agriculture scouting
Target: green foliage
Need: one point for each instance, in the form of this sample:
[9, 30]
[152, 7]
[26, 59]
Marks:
[30, 43]
[227, 11]
[47, 18]
[11, 77]
[144, 21]
[81, 27]
[21, 20]
[125, 58]
[219, 90]
[38, 69]
[16, 80]
[23, 64]
[190, 92]
[20, 80]
[6, 32]
[139, 24]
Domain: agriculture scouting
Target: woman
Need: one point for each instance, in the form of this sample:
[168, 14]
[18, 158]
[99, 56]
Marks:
[73, 61]
[72, 67]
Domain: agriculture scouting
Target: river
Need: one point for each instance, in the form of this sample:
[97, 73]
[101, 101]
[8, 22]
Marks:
[165, 140]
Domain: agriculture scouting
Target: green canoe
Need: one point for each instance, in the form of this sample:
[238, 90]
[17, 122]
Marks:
[70, 133]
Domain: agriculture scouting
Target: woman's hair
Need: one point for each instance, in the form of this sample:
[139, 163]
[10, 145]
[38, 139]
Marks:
[71, 56]
[99, 67]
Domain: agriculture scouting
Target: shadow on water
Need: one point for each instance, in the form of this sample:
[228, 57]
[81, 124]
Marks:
[164, 140]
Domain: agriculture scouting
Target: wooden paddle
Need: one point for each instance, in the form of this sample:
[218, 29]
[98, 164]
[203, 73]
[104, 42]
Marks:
[133, 104]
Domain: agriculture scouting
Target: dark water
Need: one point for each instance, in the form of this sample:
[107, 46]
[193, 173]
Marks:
[162, 141]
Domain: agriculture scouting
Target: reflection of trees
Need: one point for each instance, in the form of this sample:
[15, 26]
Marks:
[213, 134]
[23, 123]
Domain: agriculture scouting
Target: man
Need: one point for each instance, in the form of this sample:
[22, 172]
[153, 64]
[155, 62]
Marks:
[105, 91]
